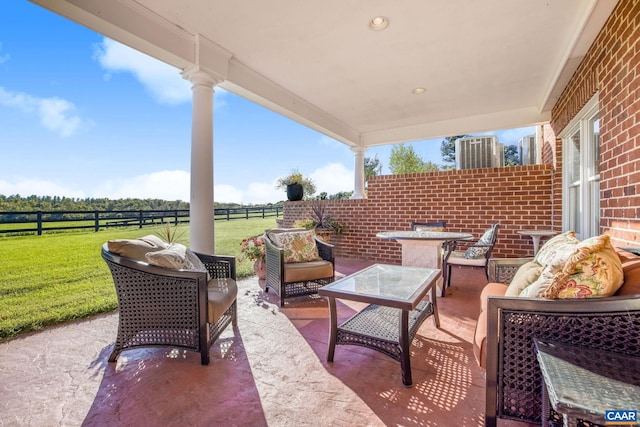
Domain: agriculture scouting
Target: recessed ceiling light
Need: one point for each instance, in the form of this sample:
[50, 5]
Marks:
[379, 23]
[418, 91]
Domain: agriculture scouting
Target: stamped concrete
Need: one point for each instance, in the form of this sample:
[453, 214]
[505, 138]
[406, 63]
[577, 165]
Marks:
[271, 371]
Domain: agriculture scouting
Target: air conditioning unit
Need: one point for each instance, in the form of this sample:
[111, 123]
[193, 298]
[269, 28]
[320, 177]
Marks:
[527, 150]
[479, 152]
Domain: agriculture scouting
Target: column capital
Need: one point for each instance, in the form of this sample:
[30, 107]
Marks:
[359, 149]
[198, 76]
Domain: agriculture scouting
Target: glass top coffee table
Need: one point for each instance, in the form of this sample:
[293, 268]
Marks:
[395, 312]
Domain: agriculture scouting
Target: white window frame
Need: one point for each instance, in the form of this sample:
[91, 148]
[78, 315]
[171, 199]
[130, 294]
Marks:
[588, 209]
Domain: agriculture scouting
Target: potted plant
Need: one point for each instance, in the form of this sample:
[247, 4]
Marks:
[296, 185]
[253, 249]
[323, 223]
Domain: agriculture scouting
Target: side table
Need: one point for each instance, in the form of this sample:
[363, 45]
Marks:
[536, 235]
[582, 383]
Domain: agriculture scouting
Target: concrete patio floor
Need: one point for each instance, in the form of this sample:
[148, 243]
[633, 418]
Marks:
[271, 371]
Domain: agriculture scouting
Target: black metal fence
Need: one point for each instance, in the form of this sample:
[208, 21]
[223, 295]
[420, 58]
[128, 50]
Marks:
[42, 221]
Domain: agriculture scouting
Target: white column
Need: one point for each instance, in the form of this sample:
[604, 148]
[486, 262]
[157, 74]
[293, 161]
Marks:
[358, 187]
[201, 228]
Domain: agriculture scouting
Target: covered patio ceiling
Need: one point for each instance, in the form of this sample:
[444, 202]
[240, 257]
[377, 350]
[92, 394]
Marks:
[484, 64]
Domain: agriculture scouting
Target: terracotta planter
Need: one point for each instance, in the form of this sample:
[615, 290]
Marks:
[325, 235]
[260, 267]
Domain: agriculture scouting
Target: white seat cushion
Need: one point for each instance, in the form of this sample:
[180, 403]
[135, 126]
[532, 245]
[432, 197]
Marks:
[457, 258]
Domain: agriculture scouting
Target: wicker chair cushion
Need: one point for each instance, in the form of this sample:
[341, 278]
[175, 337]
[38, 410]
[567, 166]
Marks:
[429, 228]
[593, 270]
[560, 243]
[221, 294]
[479, 251]
[460, 258]
[631, 285]
[306, 271]
[136, 248]
[298, 246]
[554, 261]
[527, 274]
[176, 256]
[480, 334]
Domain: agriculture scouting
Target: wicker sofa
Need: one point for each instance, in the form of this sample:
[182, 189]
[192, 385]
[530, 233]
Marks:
[168, 307]
[507, 326]
[289, 279]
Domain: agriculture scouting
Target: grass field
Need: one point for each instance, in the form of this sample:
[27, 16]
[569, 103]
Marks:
[53, 278]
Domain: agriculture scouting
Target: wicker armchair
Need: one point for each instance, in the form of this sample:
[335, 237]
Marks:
[513, 377]
[297, 279]
[164, 307]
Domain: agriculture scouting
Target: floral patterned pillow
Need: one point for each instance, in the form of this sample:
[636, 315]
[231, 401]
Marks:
[298, 246]
[594, 270]
[564, 242]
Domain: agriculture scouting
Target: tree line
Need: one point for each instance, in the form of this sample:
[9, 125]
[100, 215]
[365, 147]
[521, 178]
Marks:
[17, 203]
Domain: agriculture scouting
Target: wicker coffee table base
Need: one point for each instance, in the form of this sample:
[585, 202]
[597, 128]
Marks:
[385, 329]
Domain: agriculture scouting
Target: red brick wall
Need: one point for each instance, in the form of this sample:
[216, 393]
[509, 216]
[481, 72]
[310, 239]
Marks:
[469, 200]
[611, 67]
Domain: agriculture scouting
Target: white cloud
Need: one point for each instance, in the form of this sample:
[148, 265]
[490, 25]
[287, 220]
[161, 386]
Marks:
[55, 114]
[333, 178]
[166, 185]
[511, 136]
[162, 81]
[36, 187]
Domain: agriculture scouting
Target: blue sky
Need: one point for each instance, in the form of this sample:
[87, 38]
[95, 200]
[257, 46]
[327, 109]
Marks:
[84, 116]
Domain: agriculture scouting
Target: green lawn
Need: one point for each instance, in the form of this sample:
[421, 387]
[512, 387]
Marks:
[53, 278]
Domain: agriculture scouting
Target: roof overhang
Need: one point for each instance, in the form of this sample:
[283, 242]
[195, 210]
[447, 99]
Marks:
[485, 65]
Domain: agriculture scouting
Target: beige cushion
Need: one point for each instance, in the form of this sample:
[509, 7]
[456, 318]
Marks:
[303, 271]
[176, 256]
[631, 270]
[221, 294]
[594, 270]
[136, 248]
[480, 333]
[298, 246]
[458, 258]
[525, 276]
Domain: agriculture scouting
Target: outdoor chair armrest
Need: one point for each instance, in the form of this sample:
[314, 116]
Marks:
[513, 377]
[502, 270]
[326, 250]
[219, 266]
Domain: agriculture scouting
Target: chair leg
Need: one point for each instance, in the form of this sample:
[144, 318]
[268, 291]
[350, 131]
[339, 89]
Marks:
[234, 315]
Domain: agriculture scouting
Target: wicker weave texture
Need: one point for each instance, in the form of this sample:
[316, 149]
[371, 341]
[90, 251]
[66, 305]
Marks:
[275, 272]
[166, 310]
[149, 318]
[377, 327]
[519, 377]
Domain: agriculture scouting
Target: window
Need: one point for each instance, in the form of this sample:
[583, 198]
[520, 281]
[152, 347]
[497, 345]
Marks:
[581, 174]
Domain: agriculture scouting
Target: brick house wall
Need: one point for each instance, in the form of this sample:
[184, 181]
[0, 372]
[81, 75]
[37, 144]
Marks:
[611, 68]
[469, 200]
